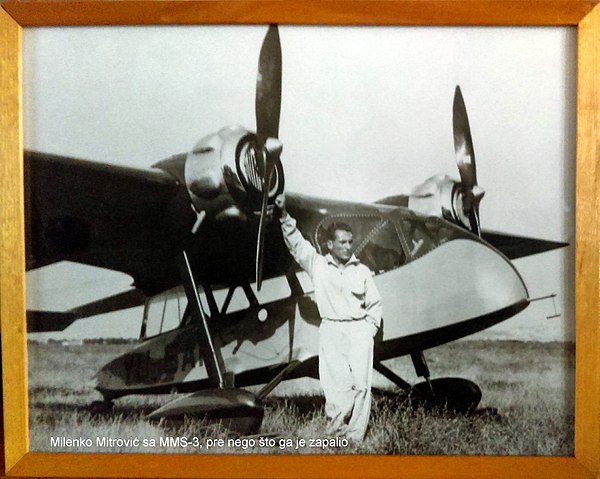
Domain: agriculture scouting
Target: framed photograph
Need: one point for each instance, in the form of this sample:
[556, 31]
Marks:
[186, 184]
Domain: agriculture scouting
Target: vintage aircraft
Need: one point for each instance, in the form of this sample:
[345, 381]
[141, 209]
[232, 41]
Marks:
[202, 224]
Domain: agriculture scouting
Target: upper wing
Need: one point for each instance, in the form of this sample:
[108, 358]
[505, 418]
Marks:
[519, 246]
[98, 214]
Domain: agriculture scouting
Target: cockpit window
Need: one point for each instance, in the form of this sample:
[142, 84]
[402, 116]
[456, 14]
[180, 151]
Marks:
[419, 237]
[164, 312]
[425, 234]
[376, 241]
[381, 250]
[384, 242]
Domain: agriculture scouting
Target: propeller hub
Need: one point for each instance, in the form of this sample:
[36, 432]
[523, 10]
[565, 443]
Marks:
[274, 147]
[228, 169]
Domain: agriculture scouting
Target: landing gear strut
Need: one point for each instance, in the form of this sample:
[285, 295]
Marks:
[236, 409]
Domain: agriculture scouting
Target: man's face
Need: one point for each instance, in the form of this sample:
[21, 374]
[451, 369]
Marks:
[341, 247]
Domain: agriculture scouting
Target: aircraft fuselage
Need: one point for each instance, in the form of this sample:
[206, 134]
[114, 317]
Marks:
[438, 283]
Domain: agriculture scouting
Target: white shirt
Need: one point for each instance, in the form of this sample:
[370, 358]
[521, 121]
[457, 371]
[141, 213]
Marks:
[342, 292]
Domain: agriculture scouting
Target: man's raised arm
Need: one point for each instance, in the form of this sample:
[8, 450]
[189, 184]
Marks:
[302, 251]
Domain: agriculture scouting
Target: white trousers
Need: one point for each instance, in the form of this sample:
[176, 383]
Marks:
[345, 371]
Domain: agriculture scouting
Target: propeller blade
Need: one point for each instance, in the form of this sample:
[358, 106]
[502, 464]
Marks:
[463, 143]
[272, 152]
[268, 87]
[260, 243]
[474, 221]
[267, 108]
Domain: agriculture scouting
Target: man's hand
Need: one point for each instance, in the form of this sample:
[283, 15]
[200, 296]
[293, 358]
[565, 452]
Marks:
[374, 329]
[280, 203]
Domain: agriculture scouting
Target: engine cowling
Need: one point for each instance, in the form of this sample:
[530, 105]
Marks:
[224, 173]
[244, 169]
[443, 197]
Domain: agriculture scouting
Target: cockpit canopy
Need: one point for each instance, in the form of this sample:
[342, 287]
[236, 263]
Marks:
[384, 242]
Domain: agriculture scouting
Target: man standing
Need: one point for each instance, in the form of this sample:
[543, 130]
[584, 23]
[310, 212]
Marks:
[350, 309]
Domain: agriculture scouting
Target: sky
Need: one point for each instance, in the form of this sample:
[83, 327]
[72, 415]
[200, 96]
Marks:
[366, 113]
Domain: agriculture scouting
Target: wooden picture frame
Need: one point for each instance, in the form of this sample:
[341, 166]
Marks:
[583, 14]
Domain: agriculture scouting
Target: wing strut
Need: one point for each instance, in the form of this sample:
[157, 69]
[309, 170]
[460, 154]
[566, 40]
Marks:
[235, 408]
[391, 375]
[277, 379]
[212, 356]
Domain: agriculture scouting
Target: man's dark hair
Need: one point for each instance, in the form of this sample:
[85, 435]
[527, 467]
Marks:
[333, 227]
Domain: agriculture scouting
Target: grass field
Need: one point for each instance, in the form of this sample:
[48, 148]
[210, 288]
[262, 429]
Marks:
[527, 407]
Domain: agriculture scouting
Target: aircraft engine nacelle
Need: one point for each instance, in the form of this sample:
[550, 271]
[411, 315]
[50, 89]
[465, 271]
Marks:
[244, 168]
[443, 197]
[224, 173]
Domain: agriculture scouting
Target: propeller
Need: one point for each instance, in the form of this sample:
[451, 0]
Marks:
[470, 195]
[267, 109]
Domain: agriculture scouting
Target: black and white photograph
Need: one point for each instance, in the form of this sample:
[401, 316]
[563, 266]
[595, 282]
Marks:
[300, 239]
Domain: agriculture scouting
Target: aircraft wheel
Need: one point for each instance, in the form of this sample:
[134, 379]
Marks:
[454, 394]
[101, 407]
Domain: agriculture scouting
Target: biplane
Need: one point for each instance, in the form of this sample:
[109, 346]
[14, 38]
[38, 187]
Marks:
[200, 228]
